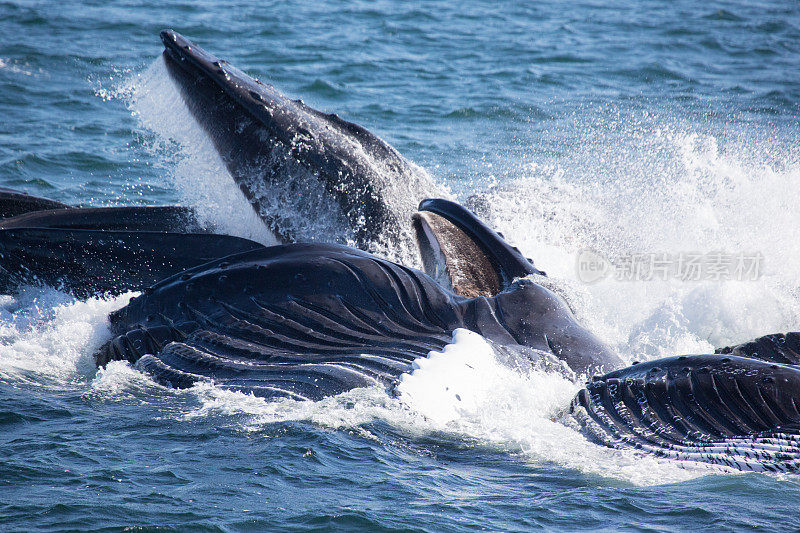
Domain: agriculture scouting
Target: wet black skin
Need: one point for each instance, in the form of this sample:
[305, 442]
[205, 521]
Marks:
[89, 251]
[733, 411]
[270, 142]
[307, 321]
[13, 203]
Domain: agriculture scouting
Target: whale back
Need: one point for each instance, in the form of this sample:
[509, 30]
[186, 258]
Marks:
[14, 203]
[168, 218]
[774, 348]
[89, 251]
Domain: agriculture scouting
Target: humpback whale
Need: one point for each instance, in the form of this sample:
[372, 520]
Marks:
[90, 251]
[309, 319]
[287, 157]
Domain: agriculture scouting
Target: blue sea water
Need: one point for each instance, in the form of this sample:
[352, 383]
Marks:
[618, 125]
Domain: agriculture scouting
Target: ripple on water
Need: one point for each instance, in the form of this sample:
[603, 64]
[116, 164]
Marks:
[616, 125]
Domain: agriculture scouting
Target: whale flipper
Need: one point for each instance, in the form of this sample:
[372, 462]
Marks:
[775, 348]
[725, 410]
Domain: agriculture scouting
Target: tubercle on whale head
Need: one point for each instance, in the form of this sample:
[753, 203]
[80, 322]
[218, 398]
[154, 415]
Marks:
[359, 188]
[462, 252]
[188, 62]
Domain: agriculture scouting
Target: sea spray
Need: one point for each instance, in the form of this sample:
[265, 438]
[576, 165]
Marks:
[193, 162]
[48, 337]
[468, 393]
[658, 186]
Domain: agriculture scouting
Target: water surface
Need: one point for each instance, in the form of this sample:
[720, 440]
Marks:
[621, 126]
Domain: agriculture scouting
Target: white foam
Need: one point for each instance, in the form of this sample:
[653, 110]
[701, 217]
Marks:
[466, 392]
[451, 386]
[189, 157]
[649, 186]
[14, 66]
[49, 337]
[467, 389]
[118, 380]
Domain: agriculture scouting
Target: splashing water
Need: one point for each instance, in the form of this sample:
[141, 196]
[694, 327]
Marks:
[194, 164]
[299, 203]
[632, 186]
[48, 337]
[464, 392]
[656, 187]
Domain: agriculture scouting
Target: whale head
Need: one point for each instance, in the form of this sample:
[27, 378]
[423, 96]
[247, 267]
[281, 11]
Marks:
[506, 303]
[310, 176]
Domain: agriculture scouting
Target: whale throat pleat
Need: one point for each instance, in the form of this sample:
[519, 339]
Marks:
[731, 412]
[267, 324]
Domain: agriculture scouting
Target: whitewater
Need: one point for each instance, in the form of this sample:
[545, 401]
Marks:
[619, 129]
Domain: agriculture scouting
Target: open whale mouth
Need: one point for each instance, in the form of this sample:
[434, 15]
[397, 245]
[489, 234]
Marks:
[460, 251]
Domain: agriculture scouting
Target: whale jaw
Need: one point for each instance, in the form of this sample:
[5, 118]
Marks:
[452, 258]
[310, 176]
[464, 254]
[737, 413]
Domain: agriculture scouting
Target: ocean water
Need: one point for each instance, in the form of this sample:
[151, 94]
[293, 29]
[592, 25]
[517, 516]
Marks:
[618, 126]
